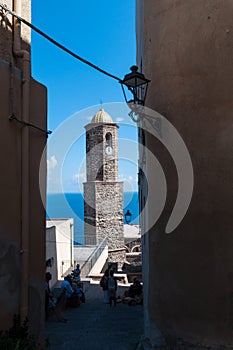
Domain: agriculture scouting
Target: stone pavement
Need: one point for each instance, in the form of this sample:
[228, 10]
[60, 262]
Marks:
[94, 325]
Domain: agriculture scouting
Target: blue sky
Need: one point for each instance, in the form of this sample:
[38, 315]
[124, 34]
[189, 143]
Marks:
[102, 32]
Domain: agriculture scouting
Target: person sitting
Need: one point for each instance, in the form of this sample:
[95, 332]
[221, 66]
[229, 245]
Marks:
[135, 288]
[133, 296]
[72, 297]
[67, 287]
[78, 290]
[50, 302]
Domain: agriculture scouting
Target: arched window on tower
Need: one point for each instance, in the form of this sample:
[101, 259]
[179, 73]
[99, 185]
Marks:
[108, 139]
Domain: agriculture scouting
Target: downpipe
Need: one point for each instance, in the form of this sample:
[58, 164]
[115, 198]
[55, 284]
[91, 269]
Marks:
[25, 179]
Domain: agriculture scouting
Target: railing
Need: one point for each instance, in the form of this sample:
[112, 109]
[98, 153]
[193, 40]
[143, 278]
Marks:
[87, 266]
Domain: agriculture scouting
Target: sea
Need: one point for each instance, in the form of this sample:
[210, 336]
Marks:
[71, 205]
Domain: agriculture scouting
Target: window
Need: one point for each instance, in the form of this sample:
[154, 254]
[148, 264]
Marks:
[108, 139]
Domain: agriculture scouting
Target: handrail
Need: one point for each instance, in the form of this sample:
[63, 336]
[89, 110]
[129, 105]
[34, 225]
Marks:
[90, 262]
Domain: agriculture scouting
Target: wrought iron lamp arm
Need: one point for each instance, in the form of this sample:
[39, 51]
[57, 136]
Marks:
[138, 115]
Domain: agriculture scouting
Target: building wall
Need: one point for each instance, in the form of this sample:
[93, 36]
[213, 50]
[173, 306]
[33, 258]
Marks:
[103, 213]
[37, 191]
[89, 213]
[22, 222]
[109, 213]
[186, 49]
[64, 238]
[51, 253]
[6, 30]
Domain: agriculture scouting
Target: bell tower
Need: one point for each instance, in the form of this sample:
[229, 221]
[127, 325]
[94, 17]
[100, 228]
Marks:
[103, 193]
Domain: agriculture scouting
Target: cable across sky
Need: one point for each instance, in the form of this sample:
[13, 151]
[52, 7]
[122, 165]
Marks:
[62, 47]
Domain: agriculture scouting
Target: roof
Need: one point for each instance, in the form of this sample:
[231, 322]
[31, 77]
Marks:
[102, 117]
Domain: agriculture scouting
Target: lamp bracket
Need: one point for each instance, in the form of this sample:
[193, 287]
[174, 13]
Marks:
[138, 115]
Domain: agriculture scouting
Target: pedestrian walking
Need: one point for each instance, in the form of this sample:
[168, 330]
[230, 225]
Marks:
[112, 288]
[77, 273]
[104, 285]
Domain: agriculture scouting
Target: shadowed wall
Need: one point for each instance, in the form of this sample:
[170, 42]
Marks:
[186, 49]
[14, 278]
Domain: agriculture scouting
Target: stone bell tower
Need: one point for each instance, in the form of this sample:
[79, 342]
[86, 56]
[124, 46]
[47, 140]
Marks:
[103, 193]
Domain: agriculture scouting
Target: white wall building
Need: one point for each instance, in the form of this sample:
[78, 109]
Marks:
[59, 247]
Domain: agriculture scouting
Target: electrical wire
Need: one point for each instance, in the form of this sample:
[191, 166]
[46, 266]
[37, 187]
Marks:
[62, 47]
[13, 117]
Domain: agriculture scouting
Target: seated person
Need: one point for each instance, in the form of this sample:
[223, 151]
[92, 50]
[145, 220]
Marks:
[133, 296]
[135, 288]
[79, 292]
[51, 302]
[67, 286]
[72, 298]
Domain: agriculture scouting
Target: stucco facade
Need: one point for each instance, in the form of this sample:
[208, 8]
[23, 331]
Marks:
[22, 223]
[185, 48]
[59, 246]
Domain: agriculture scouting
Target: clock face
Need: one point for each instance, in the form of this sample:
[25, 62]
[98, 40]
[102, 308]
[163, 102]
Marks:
[108, 150]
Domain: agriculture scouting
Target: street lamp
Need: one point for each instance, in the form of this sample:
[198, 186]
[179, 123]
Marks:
[137, 84]
[128, 217]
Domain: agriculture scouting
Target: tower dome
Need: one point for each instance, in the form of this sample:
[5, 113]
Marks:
[102, 117]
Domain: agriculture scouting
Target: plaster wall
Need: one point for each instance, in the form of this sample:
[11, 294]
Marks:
[22, 270]
[51, 253]
[37, 213]
[11, 203]
[6, 30]
[64, 244]
[186, 49]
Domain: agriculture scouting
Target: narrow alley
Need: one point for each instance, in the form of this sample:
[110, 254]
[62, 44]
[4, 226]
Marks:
[94, 325]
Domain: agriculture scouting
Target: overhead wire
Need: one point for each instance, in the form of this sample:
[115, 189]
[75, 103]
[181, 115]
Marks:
[56, 43]
[13, 117]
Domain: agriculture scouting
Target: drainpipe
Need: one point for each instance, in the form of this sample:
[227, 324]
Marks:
[26, 74]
